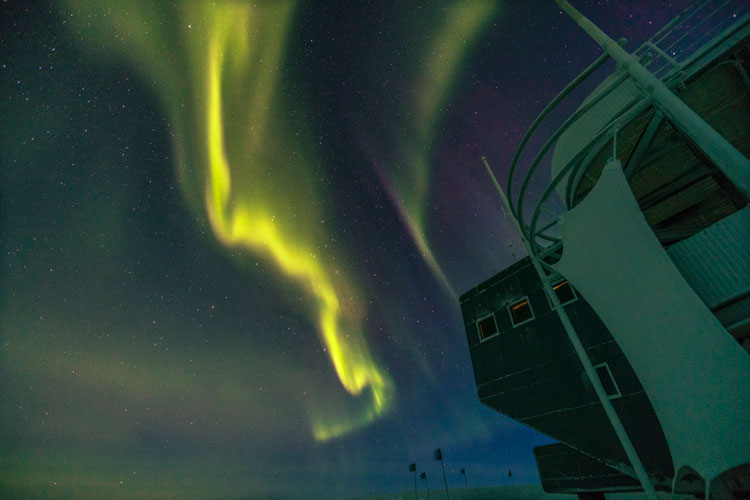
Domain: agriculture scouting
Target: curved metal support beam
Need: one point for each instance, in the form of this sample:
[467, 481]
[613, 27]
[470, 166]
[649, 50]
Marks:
[626, 116]
[575, 116]
[547, 237]
[575, 177]
[546, 111]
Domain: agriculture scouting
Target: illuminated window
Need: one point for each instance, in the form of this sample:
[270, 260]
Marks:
[520, 311]
[487, 327]
[564, 292]
[608, 381]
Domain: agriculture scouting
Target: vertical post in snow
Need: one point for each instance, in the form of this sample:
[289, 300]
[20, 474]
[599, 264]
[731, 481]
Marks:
[413, 468]
[439, 456]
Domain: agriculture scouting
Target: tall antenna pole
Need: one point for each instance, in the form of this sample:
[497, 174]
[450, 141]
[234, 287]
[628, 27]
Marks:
[622, 434]
[426, 484]
[413, 468]
[439, 456]
[726, 157]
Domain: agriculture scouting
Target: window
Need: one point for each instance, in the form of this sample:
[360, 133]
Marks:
[520, 311]
[564, 292]
[607, 380]
[487, 327]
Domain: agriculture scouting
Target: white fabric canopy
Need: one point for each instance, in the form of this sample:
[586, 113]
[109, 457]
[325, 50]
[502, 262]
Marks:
[695, 374]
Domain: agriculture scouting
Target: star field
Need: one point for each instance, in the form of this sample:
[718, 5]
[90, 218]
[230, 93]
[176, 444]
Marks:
[233, 236]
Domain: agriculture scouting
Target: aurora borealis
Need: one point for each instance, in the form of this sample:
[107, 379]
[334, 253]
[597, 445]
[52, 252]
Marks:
[233, 234]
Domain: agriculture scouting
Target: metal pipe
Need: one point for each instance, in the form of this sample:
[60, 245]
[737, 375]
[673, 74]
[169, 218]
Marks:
[583, 356]
[731, 162]
[445, 481]
[568, 88]
[552, 140]
[672, 62]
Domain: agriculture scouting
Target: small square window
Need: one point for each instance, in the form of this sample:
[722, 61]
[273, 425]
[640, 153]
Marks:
[520, 311]
[608, 381]
[564, 292]
[487, 327]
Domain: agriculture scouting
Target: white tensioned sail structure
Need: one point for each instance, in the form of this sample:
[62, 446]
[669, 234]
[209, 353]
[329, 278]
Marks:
[653, 177]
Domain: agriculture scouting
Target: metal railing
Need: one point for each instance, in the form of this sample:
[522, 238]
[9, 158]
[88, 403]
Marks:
[669, 55]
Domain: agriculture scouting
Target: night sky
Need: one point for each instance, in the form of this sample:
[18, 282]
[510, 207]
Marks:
[234, 233]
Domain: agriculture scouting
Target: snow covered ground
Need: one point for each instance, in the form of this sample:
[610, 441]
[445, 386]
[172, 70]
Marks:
[521, 492]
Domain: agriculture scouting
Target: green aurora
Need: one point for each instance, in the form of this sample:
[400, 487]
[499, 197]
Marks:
[116, 385]
[249, 171]
[245, 169]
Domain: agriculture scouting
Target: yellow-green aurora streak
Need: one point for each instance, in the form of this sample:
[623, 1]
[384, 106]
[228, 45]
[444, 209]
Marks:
[258, 189]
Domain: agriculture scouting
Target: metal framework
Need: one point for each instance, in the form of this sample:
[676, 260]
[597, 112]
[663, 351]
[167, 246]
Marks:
[679, 49]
